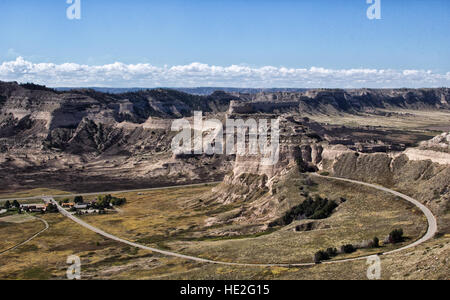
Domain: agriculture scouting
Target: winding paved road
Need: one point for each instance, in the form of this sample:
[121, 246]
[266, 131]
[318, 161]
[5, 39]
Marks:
[31, 238]
[432, 229]
[431, 219]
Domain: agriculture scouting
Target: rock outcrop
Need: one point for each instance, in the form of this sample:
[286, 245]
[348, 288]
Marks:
[439, 143]
[423, 178]
[55, 138]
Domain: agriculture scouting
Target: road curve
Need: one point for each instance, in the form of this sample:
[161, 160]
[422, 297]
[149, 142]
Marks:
[432, 229]
[431, 219]
[31, 238]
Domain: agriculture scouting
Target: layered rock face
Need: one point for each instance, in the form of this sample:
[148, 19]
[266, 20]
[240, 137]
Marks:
[89, 141]
[51, 138]
[425, 179]
[338, 101]
[439, 143]
[299, 145]
[57, 138]
[255, 185]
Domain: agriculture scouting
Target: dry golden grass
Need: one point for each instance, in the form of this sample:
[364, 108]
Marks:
[366, 214]
[15, 232]
[400, 119]
[45, 257]
[160, 218]
[154, 217]
[429, 261]
[33, 193]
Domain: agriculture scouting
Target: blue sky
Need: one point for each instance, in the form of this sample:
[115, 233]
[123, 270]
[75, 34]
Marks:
[330, 34]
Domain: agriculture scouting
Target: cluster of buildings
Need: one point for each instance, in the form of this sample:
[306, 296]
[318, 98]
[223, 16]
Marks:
[44, 207]
[35, 208]
[81, 208]
[77, 206]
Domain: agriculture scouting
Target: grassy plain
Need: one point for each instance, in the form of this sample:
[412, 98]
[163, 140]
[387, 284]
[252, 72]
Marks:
[161, 218]
[400, 119]
[366, 214]
[45, 257]
[15, 229]
[32, 193]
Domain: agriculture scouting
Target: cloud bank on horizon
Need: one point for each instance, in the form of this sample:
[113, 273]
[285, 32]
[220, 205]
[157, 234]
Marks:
[198, 74]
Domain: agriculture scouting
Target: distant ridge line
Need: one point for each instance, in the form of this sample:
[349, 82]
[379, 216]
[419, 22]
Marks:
[201, 91]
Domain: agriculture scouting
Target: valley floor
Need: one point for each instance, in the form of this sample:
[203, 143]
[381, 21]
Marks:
[161, 218]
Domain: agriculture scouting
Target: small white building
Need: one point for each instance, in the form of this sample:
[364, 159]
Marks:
[34, 206]
[81, 206]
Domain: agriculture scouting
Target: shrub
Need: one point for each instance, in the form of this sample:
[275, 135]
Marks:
[348, 249]
[396, 236]
[118, 201]
[332, 252]
[321, 256]
[376, 242]
[325, 255]
[51, 208]
[103, 201]
[325, 211]
[108, 200]
[16, 204]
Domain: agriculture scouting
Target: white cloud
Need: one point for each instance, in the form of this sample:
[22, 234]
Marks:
[198, 74]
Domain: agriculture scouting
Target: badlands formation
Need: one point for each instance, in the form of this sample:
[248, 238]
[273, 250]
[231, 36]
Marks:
[84, 140]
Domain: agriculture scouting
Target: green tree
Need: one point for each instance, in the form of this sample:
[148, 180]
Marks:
[7, 204]
[118, 201]
[348, 249]
[332, 252]
[396, 236]
[78, 199]
[376, 242]
[103, 201]
[321, 256]
[16, 204]
[51, 208]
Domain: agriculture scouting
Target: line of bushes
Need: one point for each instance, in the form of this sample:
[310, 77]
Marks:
[396, 236]
[8, 205]
[344, 249]
[108, 200]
